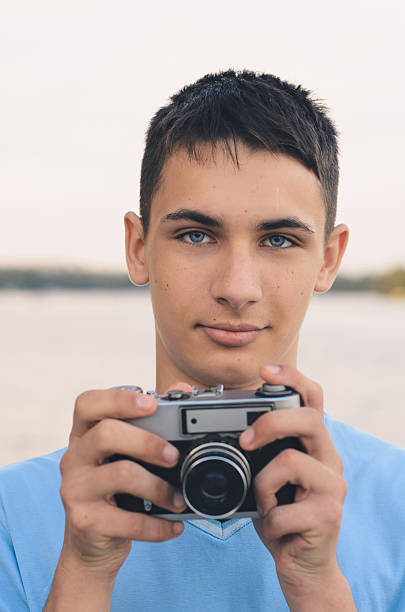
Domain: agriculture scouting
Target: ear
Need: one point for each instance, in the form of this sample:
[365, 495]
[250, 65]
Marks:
[333, 254]
[135, 249]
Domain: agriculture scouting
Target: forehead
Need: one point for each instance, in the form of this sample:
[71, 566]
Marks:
[262, 184]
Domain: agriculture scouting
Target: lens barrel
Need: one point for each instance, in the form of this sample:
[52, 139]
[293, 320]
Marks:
[215, 477]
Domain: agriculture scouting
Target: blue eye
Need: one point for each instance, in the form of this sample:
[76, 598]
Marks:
[194, 237]
[279, 242]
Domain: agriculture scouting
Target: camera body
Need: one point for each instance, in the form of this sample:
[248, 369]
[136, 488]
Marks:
[214, 473]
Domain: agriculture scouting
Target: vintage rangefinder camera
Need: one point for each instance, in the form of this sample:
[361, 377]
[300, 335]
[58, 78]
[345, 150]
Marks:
[214, 473]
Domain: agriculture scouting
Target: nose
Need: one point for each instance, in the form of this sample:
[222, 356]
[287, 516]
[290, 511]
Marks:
[236, 281]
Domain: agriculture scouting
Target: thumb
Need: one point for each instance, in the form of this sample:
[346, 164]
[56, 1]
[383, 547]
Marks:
[181, 386]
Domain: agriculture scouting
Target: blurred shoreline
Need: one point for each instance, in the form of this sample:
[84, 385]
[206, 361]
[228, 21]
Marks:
[389, 282]
[56, 344]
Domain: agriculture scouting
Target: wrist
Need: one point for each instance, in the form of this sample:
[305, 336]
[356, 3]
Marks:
[319, 592]
[78, 585]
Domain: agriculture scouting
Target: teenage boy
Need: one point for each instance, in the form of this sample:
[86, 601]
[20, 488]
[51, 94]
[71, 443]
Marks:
[237, 230]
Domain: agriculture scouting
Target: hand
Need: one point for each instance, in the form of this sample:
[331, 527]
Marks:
[98, 534]
[302, 536]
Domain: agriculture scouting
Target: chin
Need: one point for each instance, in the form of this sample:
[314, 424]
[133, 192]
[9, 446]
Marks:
[232, 376]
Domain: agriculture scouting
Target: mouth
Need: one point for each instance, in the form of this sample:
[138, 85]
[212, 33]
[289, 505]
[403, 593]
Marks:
[227, 334]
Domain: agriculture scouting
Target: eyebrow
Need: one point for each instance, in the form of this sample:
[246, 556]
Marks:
[189, 214]
[293, 222]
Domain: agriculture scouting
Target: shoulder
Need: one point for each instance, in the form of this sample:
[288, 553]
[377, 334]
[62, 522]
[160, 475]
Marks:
[31, 530]
[354, 443]
[373, 468]
[371, 549]
[31, 511]
[29, 479]
[44, 465]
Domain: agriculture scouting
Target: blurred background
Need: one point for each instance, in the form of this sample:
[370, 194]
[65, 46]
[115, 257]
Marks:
[79, 82]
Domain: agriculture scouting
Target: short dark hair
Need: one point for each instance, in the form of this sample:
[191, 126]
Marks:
[259, 110]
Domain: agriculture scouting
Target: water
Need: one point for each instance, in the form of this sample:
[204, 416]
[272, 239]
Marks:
[56, 345]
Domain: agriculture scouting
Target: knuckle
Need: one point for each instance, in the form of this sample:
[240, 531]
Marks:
[332, 512]
[64, 494]
[82, 402]
[342, 488]
[68, 493]
[124, 472]
[274, 522]
[104, 432]
[264, 495]
[289, 458]
[82, 520]
[63, 464]
[259, 485]
[318, 390]
[314, 388]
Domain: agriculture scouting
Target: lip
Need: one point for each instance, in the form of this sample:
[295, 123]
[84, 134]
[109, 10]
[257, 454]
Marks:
[240, 327]
[227, 334]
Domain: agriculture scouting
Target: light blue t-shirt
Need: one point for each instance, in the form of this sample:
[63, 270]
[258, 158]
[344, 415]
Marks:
[212, 566]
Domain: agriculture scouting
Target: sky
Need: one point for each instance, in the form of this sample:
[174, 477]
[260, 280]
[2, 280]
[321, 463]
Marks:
[80, 80]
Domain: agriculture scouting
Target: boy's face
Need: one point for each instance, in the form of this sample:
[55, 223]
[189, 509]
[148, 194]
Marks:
[232, 257]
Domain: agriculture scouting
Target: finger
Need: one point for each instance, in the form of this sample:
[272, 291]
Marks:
[305, 423]
[316, 514]
[181, 386]
[310, 391]
[299, 469]
[93, 406]
[126, 476]
[112, 522]
[112, 436]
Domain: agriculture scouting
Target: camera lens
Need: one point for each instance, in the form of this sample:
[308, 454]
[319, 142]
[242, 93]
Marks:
[214, 485]
[216, 477]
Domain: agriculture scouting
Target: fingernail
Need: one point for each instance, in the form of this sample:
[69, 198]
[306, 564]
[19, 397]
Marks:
[177, 527]
[144, 402]
[178, 500]
[247, 436]
[273, 369]
[170, 453]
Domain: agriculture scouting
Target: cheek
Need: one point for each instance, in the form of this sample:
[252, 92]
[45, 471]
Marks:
[300, 284]
[174, 289]
[290, 293]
